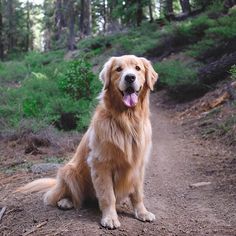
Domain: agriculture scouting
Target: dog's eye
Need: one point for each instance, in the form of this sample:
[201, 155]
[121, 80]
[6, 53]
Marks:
[119, 69]
[137, 68]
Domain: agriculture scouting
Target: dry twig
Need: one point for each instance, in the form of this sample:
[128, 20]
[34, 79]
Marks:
[35, 228]
[2, 212]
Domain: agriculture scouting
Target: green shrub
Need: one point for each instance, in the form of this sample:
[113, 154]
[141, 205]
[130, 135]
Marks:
[233, 72]
[35, 60]
[174, 73]
[13, 71]
[215, 32]
[216, 7]
[93, 42]
[49, 63]
[200, 47]
[191, 29]
[223, 28]
[49, 88]
[79, 81]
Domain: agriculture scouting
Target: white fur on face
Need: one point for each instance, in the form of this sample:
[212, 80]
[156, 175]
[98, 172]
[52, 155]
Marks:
[123, 85]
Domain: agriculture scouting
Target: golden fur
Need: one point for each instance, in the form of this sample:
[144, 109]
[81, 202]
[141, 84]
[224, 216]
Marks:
[110, 160]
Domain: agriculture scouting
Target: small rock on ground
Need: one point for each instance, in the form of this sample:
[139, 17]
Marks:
[44, 167]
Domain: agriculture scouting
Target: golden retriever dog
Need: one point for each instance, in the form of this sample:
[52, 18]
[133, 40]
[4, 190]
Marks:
[110, 160]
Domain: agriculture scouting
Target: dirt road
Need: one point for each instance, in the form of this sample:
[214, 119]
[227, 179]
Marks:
[179, 159]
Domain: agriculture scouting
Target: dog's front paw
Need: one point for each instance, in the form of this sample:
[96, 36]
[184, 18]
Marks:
[145, 216]
[110, 222]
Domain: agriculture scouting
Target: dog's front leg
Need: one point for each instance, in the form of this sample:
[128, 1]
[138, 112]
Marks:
[103, 185]
[140, 210]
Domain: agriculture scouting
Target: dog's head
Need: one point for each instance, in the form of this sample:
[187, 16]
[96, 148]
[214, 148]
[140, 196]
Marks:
[127, 76]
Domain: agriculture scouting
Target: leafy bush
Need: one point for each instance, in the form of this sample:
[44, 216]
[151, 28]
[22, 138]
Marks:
[13, 71]
[226, 28]
[233, 72]
[79, 80]
[173, 73]
[200, 47]
[180, 80]
[36, 61]
[49, 63]
[216, 32]
[43, 99]
[215, 7]
[192, 29]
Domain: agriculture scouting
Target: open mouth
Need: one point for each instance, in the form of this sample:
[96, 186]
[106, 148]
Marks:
[130, 96]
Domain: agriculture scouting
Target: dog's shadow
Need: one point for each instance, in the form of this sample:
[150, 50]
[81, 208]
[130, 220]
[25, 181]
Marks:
[123, 209]
[88, 214]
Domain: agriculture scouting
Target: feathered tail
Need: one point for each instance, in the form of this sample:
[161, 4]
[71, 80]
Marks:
[39, 185]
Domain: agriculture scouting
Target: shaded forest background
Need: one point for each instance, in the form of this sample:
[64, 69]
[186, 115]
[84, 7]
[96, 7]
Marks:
[51, 54]
[54, 24]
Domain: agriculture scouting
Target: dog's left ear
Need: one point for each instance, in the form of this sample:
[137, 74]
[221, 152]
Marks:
[151, 75]
[105, 74]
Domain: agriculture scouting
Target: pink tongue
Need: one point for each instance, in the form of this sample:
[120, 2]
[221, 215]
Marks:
[130, 100]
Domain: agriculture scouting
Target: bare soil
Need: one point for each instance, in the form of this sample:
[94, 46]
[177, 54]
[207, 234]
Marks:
[179, 159]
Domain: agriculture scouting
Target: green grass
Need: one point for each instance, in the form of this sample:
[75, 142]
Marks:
[54, 159]
[16, 168]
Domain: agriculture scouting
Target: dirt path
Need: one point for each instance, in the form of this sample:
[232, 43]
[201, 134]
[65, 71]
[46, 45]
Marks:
[179, 159]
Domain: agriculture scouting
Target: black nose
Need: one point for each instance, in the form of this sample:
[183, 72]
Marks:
[130, 78]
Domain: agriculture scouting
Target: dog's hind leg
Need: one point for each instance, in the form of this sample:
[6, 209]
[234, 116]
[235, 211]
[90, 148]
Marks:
[56, 193]
[65, 204]
[69, 189]
[74, 187]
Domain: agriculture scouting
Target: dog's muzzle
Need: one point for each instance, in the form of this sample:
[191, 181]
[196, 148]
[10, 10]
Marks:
[130, 90]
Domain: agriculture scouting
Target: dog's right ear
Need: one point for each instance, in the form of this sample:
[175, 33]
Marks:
[105, 74]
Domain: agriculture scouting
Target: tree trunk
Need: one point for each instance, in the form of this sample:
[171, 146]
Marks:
[58, 19]
[150, 10]
[139, 13]
[168, 11]
[1, 34]
[186, 8]
[81, 19]
[112, 22]
[10, 25]
[169, 6]
[104, 16]
[27, 43]
[85, 17]
[71, 39]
